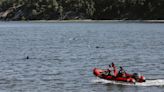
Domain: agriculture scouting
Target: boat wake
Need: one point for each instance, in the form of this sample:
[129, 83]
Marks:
[154, 82]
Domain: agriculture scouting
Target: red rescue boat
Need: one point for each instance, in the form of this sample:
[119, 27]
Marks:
[130, 78]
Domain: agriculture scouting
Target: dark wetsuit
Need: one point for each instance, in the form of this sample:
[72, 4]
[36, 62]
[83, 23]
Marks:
[121, 73]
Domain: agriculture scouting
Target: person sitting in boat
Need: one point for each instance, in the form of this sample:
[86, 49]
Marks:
[121, 72]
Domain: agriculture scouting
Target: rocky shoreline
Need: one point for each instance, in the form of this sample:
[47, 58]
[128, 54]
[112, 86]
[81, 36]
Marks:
[85, 21]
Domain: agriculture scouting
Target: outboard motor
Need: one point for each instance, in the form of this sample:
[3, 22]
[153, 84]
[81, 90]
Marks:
[142, 79]
[138, 77]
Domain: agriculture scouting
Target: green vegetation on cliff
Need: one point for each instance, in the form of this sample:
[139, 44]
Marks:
[81, 9]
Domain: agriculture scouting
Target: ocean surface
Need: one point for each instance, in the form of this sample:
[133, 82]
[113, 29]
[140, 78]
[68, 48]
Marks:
[61, 56]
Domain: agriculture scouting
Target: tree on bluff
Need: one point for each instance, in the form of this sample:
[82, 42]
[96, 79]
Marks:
[81, 9]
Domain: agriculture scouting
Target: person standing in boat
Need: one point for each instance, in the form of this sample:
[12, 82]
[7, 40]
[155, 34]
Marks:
[112, 70]
[115, 71]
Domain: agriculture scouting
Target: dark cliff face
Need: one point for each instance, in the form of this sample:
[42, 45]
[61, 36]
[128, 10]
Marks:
[81, 9]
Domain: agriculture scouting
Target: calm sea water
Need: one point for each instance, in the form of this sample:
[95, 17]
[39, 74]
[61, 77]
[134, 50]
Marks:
[62, 56]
